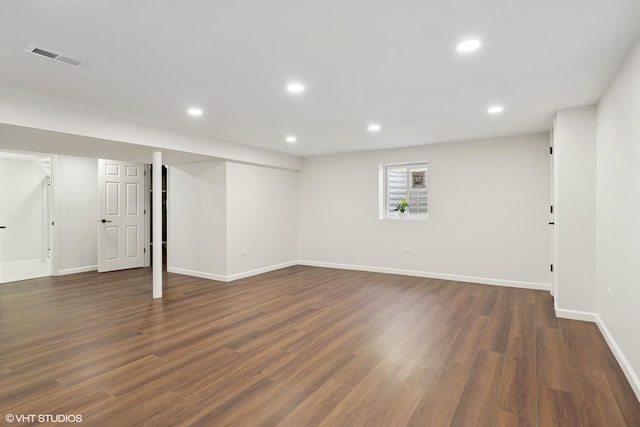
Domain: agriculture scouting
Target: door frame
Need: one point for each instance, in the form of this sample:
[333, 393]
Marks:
[51, 202]
[552, 228]
[147, 216]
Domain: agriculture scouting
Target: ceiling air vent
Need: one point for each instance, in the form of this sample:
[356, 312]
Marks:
[55, 56]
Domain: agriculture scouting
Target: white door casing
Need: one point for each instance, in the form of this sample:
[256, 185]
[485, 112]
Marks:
[25, 216]
[552, 229]
[121, 224]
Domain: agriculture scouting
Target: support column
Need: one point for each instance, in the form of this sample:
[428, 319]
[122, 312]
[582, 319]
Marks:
[156, 226]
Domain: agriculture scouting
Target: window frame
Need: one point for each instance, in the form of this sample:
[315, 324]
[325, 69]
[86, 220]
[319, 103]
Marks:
[383, 174]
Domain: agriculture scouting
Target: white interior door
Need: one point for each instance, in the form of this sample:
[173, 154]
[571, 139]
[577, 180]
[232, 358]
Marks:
[121, 224]
[24, 216]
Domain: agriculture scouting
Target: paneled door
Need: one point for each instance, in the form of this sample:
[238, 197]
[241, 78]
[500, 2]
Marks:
[121, 207]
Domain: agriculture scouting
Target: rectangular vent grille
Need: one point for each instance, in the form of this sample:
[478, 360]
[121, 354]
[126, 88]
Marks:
[55, 56]
[45, 53]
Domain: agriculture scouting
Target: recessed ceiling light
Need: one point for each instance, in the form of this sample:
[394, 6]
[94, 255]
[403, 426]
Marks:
[291, 139]
[374, 127]
[193, 111]
[495, 109]
[295, 87]
[468, 45]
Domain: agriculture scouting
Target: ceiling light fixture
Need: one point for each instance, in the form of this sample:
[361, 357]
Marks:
[495, 109]
[374, 127]
[291, 139]
[295, 87]
[193, 111]
[467, 46]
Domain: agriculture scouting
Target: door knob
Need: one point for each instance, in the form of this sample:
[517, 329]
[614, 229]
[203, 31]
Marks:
[104, 220]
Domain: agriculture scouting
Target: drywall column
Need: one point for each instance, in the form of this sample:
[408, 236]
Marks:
[156, 203]
[618, 133]
[575, 213]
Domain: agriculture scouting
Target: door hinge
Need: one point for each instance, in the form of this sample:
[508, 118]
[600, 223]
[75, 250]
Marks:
[145, 250]
[145, 173]
[551, 208]
[552, 268]
[53, 223]
[551, 150]
[144, 212]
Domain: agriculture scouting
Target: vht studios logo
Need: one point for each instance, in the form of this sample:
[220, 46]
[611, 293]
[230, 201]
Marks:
[43, 418]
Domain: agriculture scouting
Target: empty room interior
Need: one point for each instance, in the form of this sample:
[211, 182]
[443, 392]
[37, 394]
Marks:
[411, 213]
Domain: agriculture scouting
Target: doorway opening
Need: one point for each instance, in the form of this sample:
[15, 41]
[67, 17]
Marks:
[164, 215]
[25, 216]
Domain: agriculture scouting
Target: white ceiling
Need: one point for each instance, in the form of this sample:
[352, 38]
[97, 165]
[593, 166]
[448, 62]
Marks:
[391, 62]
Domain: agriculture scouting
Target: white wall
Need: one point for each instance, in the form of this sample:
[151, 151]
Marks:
[75, 214]
[575, 212]
[487, 223]
[22, 111]
[618, 209]
[26, 139]
[218, 210]
[196, 226]
[261, 218]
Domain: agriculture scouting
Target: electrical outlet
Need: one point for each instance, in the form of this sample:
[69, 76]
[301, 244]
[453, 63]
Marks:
[243, 252]
[406, 251]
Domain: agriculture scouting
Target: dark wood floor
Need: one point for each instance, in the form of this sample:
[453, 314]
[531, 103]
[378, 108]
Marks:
[302, 347]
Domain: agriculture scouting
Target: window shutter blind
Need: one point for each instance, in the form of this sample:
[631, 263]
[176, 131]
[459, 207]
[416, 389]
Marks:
[396, 187]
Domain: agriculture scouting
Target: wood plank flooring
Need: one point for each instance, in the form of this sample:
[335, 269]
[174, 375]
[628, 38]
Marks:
[302, 346]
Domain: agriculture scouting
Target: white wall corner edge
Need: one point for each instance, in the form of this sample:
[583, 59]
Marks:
[267, 269]
[431, 275]
[200, 274]
[628, 371]
[75, 270]
[231, 277]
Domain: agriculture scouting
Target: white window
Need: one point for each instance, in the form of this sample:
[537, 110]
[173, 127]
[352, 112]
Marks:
[403, 182]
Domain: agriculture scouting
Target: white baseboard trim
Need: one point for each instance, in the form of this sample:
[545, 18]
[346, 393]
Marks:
[628, 371]
[245, 274]
[200, 274]
[430, 275]
[585, 316]
[231, 277]
[75, 270]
